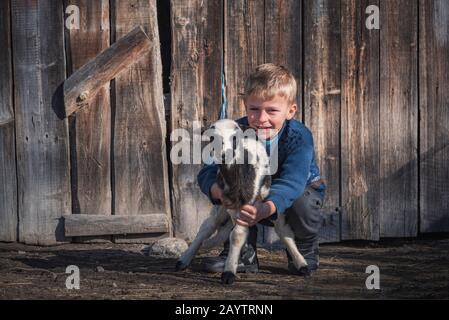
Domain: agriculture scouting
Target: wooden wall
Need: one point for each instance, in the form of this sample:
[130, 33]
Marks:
[376, 102]
[372, 98]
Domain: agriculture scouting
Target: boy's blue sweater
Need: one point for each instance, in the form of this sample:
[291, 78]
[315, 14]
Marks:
[296, 166]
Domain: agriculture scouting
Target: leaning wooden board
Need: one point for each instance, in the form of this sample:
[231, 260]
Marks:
[195, 96]
[86, 82]
[434, 113]
[139, 128]
[42, 138]
[90, 127]
[8, 181]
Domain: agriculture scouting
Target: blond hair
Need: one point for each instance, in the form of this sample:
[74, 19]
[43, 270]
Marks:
[269, 80]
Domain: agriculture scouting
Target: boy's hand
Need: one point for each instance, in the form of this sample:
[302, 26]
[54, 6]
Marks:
[250, 215]
[216, 192]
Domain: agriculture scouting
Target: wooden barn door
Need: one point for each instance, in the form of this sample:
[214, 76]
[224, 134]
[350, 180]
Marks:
[120, 171]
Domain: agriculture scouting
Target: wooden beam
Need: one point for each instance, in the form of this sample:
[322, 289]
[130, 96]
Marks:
[42, 144]
[244, 48]
[6, 108]
[8, 181]
[398, 140]
[77, 225]
[90, 129]
[283, 45]
[84, 84]
[359, 124]
[140, 171]
[195, 96]
[434, 116]
[322, 101]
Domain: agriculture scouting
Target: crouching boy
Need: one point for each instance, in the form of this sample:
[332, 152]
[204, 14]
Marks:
[297, 190]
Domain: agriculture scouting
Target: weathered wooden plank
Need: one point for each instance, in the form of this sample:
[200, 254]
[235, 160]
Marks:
[244, 48]
[90, 128]
[322, 100]
[283, 39]
[140, 161]
[359, 123]
[84, 84]
[42, 138]
[283, 45]
[6, 105]
[95, 224]
[8, 179]
[398, 119]
[434, 115]
[195, 97]
[212, 55]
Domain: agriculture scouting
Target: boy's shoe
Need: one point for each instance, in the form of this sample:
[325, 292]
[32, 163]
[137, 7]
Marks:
[248, 261]
[310, 252]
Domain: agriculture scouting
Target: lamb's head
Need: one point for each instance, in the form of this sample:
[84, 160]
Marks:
[224, 134]
[242, 161]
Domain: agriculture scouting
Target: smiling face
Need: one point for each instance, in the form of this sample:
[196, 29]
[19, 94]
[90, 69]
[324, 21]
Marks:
[268, 116]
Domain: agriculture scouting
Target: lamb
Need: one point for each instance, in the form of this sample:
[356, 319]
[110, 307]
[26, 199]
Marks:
[244, 179]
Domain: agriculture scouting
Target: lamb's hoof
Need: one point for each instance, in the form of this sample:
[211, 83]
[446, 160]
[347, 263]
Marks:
[227, 277]
[180, 266]
[305, 272]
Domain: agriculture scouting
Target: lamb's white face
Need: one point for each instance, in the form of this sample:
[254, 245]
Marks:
[230, 141]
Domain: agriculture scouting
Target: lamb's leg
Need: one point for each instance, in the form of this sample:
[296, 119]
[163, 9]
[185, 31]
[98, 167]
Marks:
[237, 239]
[207, 228]
[221, 236]
[286, 234]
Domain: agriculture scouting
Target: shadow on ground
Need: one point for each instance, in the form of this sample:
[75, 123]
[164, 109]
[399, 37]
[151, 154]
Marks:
[409, 269]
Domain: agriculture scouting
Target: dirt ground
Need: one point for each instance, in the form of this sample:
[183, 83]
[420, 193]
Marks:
[417, 269]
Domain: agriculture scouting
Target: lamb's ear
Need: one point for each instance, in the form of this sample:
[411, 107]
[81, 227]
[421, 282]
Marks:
[244, 127]
[208, 130]
[205, 128]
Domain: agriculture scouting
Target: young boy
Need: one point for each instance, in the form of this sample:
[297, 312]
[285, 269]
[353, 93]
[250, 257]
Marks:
[297, 190]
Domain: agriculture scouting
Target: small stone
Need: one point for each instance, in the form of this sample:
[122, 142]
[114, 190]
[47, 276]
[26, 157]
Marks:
[168, 247]
[114, 285]
[22, 252]
[100, 269]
